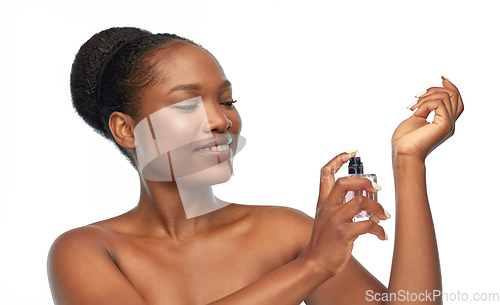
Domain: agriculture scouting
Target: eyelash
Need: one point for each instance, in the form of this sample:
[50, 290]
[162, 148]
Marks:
[230, 103]
[190, 107]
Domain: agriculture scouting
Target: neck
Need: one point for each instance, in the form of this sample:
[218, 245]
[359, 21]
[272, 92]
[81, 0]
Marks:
[176, 209]
[182, 209]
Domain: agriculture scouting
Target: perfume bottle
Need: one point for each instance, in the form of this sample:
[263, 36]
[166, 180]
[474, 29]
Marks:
[356, 170]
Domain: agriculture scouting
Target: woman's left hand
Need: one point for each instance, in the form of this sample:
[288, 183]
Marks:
[415, 137]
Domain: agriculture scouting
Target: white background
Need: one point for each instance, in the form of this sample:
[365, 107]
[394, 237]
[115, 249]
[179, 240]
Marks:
[312, 79]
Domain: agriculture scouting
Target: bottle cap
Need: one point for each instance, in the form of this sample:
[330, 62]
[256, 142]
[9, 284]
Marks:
[355, 166]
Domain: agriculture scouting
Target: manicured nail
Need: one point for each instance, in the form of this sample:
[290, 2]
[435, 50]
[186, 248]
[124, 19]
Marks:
[386, 236]
[387, 214]
[412, 104]
[351, 151]
[446, 78]
[376, 186]
[420, 93]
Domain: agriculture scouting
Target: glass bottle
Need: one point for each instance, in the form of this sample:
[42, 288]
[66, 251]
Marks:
[356, 170]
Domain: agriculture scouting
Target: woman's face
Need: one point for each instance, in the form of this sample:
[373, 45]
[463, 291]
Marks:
[187, 123]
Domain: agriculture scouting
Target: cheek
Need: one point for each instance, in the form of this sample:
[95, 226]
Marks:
[174, 131]
[235, 118]
[180, 126]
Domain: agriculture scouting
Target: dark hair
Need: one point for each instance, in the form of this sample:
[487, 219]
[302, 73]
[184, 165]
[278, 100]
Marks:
[129, 70]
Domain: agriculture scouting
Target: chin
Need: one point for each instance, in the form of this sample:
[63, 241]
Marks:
[217, 174]
[188, 171]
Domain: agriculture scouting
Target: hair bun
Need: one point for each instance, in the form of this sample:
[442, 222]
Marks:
[86, 68]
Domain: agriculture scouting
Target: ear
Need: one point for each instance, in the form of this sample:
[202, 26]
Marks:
[122, 128]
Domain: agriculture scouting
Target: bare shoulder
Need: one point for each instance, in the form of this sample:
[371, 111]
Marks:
[288, 226]
[78, 261]
[284, 216]
[77, 245]
[88, 232]
[90, 236]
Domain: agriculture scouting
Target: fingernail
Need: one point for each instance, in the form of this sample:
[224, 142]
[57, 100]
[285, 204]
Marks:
[412, 104]
[420, 93]
[376, 186]
[351, 151]
[386, 236]
[387, 214]
[446, 78]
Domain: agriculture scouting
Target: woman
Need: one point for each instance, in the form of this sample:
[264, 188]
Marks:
[161, 253]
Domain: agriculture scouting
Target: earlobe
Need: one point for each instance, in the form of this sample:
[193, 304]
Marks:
[122, 128]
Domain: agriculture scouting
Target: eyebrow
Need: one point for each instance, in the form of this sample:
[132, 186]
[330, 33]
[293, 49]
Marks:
[225, 84]
[197, 87]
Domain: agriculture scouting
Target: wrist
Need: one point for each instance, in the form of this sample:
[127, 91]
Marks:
[402, 160]
[313, 266]
[409, 175]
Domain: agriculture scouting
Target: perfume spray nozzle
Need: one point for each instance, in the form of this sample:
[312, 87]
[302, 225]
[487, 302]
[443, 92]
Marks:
[355, 166]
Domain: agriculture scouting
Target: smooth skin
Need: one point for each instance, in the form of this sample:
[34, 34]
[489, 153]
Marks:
[252, 254]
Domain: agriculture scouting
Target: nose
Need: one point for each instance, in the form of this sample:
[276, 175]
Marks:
[216, 119]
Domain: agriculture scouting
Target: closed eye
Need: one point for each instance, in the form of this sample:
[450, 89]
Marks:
[229, 104]
[185, 107]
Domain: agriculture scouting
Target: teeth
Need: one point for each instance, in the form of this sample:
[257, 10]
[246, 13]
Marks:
[223, 147]
[216, 148]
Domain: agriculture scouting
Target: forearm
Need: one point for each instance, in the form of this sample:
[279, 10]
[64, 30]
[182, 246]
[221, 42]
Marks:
[288, 285]
[415, 265]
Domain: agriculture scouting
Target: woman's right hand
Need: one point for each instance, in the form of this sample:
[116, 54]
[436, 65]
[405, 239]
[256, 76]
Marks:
[334, 231]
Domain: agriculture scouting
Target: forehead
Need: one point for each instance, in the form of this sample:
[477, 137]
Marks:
[183, 62]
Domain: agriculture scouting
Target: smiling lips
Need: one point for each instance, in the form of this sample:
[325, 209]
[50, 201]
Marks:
[219, 149]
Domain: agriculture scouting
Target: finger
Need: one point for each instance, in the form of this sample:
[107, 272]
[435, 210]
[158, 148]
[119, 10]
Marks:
[439, 93]
[336, 163]
[449, 85]
[362, 227]
[452, 93]
[454, 97]
[345, 184]
[362, 203]
[441, 117]
[374, 218]
[452, 90]
[327, 179]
